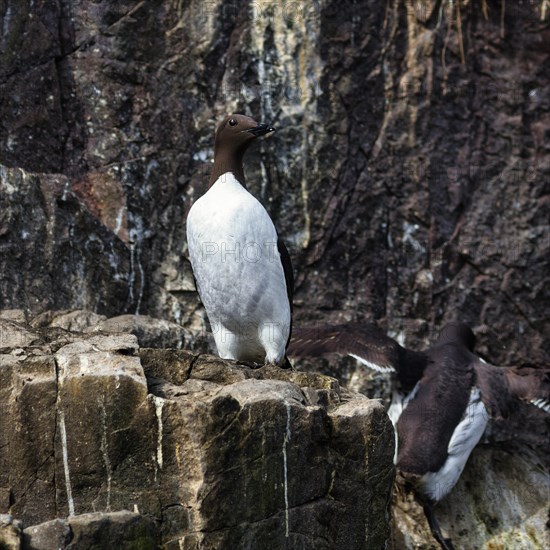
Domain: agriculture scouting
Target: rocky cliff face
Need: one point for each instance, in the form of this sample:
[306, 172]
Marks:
[151, 446]
[106, 442]
[501, 500]
[407, 176]
[499, 503]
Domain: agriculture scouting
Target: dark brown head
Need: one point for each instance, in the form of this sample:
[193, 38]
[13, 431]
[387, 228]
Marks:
[458, 333]
[233, 136]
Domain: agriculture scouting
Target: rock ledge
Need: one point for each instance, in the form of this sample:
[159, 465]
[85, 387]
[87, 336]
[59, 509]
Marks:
[170, 447]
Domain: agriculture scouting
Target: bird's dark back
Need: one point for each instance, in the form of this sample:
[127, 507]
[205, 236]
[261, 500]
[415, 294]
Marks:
[427, 424]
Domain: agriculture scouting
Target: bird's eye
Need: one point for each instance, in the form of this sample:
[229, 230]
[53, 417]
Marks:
[232, 122]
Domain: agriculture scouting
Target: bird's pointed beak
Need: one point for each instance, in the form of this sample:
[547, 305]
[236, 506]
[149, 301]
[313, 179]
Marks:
[261, 130]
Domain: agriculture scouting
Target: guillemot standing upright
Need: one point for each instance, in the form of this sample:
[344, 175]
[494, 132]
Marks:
[241, 267]
[443, 401]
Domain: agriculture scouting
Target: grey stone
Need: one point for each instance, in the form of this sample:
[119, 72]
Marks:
[14, 335]
[76, 321]
[124, 530]
[65, 238]
[151, 333]
[17, 315]
[51, 535]
[28, 394]
[500, 501]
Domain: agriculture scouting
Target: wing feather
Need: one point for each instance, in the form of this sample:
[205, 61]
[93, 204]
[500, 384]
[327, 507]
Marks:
[501, 387]
[367, 343]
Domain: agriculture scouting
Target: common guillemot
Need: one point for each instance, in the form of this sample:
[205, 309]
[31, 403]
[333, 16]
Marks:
[242, 268]
[443, 399]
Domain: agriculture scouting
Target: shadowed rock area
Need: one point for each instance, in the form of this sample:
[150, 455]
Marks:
[105, 442]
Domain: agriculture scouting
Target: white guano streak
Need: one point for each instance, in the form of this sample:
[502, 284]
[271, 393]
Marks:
[63, 431]
[159, 403]
[285, 442]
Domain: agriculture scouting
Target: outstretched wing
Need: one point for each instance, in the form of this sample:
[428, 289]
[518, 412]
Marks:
[501, 387]
[366, 343]
[530, 385]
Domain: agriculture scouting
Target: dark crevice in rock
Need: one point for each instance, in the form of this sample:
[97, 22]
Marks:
[124, 16]
[192, 363]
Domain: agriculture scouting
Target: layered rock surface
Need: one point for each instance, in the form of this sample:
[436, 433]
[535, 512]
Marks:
[213, 455]
[200, 452]
[407, 176]
[501, 502]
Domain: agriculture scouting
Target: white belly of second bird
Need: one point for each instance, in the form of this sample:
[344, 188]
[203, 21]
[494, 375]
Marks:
[465, 437]
[239, 274]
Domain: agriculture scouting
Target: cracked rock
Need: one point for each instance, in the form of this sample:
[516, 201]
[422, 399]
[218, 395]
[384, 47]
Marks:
[208, 453]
